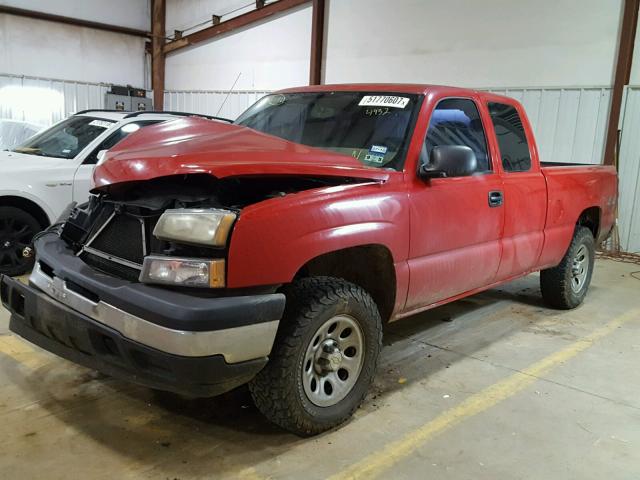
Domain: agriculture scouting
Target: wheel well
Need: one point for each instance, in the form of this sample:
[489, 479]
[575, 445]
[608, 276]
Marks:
[590, 218]
[28, 206]
[368, 266]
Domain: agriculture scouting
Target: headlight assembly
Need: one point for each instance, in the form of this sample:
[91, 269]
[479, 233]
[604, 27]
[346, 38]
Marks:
[208, 227]
[187, 272]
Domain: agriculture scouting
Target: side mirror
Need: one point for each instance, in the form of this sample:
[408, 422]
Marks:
[449, 161]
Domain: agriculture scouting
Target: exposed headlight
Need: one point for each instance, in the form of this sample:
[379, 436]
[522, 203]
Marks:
[200, 226]
[188, 272]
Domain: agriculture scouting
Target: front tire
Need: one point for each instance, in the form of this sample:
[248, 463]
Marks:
[324, 357]
[17, 229]
[565, 285]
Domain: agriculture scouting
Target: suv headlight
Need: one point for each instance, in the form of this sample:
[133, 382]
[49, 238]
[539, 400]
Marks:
[208, 227]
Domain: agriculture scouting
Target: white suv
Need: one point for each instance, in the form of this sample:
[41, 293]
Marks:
[39, 178]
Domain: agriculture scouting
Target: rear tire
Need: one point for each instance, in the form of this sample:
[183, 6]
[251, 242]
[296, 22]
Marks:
[17, 228]
[324, 357]
[565, 285]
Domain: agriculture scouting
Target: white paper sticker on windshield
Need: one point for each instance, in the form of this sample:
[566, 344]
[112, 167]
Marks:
[383, 101]
[100, 123]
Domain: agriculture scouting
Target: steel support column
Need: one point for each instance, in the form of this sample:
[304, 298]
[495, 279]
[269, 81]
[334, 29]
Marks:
[158, 14]
[317, 43]
[622, 74]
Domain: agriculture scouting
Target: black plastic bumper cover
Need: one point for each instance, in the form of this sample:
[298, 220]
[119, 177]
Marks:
[162, 306]
[76, 337]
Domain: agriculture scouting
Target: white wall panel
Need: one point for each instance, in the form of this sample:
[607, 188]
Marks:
[569, 123]
[219, 103]
[269, 55]
[45, 101]
[124, 13]
[472, 42]
[186, 14]
[629, 174]
[53, 50]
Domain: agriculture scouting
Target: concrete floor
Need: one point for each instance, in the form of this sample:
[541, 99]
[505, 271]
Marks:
[494, 386]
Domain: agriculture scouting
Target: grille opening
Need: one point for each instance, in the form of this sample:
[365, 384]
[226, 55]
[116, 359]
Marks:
[74, 287]
[4, 293]
[122, 237]
[46, 269]
[110, 268]
[17, 302]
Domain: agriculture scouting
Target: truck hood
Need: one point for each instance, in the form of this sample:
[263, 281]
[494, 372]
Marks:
[195, 145]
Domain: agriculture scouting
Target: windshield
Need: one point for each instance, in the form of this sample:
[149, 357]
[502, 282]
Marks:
[66, 139]
[372, 127]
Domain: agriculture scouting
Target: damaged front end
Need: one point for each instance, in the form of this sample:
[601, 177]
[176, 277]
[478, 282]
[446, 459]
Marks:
[116, 232]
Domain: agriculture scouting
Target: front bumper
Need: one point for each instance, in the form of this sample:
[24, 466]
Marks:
[211, 346]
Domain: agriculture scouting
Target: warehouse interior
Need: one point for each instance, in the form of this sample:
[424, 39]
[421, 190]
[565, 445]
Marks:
[492, 385]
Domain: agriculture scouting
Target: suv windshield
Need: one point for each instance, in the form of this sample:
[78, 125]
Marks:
[66, 139]
[372, 127]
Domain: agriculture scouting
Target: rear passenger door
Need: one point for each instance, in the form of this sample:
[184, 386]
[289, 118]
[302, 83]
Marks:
[455, 227]
[525, 190]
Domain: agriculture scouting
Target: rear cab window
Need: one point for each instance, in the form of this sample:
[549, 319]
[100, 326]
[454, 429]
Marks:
[512, 140]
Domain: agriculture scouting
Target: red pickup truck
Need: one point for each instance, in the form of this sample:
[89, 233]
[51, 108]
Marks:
[273, 250]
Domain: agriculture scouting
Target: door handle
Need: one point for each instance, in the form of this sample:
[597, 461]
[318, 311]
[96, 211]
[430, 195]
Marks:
[496, 198]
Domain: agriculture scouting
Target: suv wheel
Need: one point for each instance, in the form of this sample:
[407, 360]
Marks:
[324, 357]
[17, 228]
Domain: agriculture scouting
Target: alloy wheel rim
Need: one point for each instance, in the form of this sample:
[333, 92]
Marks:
[333, 361]
[14, 237]
[580, 269]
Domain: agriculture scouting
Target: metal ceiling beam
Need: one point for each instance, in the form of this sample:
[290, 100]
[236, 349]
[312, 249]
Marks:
[622, 75]
[233, 24]
[158, 16]
[72, 21]
[317, 43]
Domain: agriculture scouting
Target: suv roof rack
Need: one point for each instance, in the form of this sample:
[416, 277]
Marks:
[181, 114]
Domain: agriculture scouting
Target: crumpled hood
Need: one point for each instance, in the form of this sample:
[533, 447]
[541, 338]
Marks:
[195, 145]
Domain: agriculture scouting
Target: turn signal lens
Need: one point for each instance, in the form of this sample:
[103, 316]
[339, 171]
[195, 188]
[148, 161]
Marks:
[188, 272]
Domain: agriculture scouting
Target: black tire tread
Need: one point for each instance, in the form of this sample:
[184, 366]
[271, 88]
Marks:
[272, 390]
[15, 212]
[555, 283]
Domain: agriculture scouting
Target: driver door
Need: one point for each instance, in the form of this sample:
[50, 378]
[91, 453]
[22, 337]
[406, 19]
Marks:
[456, 227]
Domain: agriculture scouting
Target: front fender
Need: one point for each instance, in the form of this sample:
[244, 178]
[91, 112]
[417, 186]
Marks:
[32, 198]
[272, 240]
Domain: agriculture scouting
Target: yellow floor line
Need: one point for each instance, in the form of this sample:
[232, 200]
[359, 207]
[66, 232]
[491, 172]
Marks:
[382, 460]
[22, 352]
[249, 474]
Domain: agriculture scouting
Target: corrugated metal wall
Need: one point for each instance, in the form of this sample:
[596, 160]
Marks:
[569, 123]
[629, 173]
[62, 98]
[209, 102]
